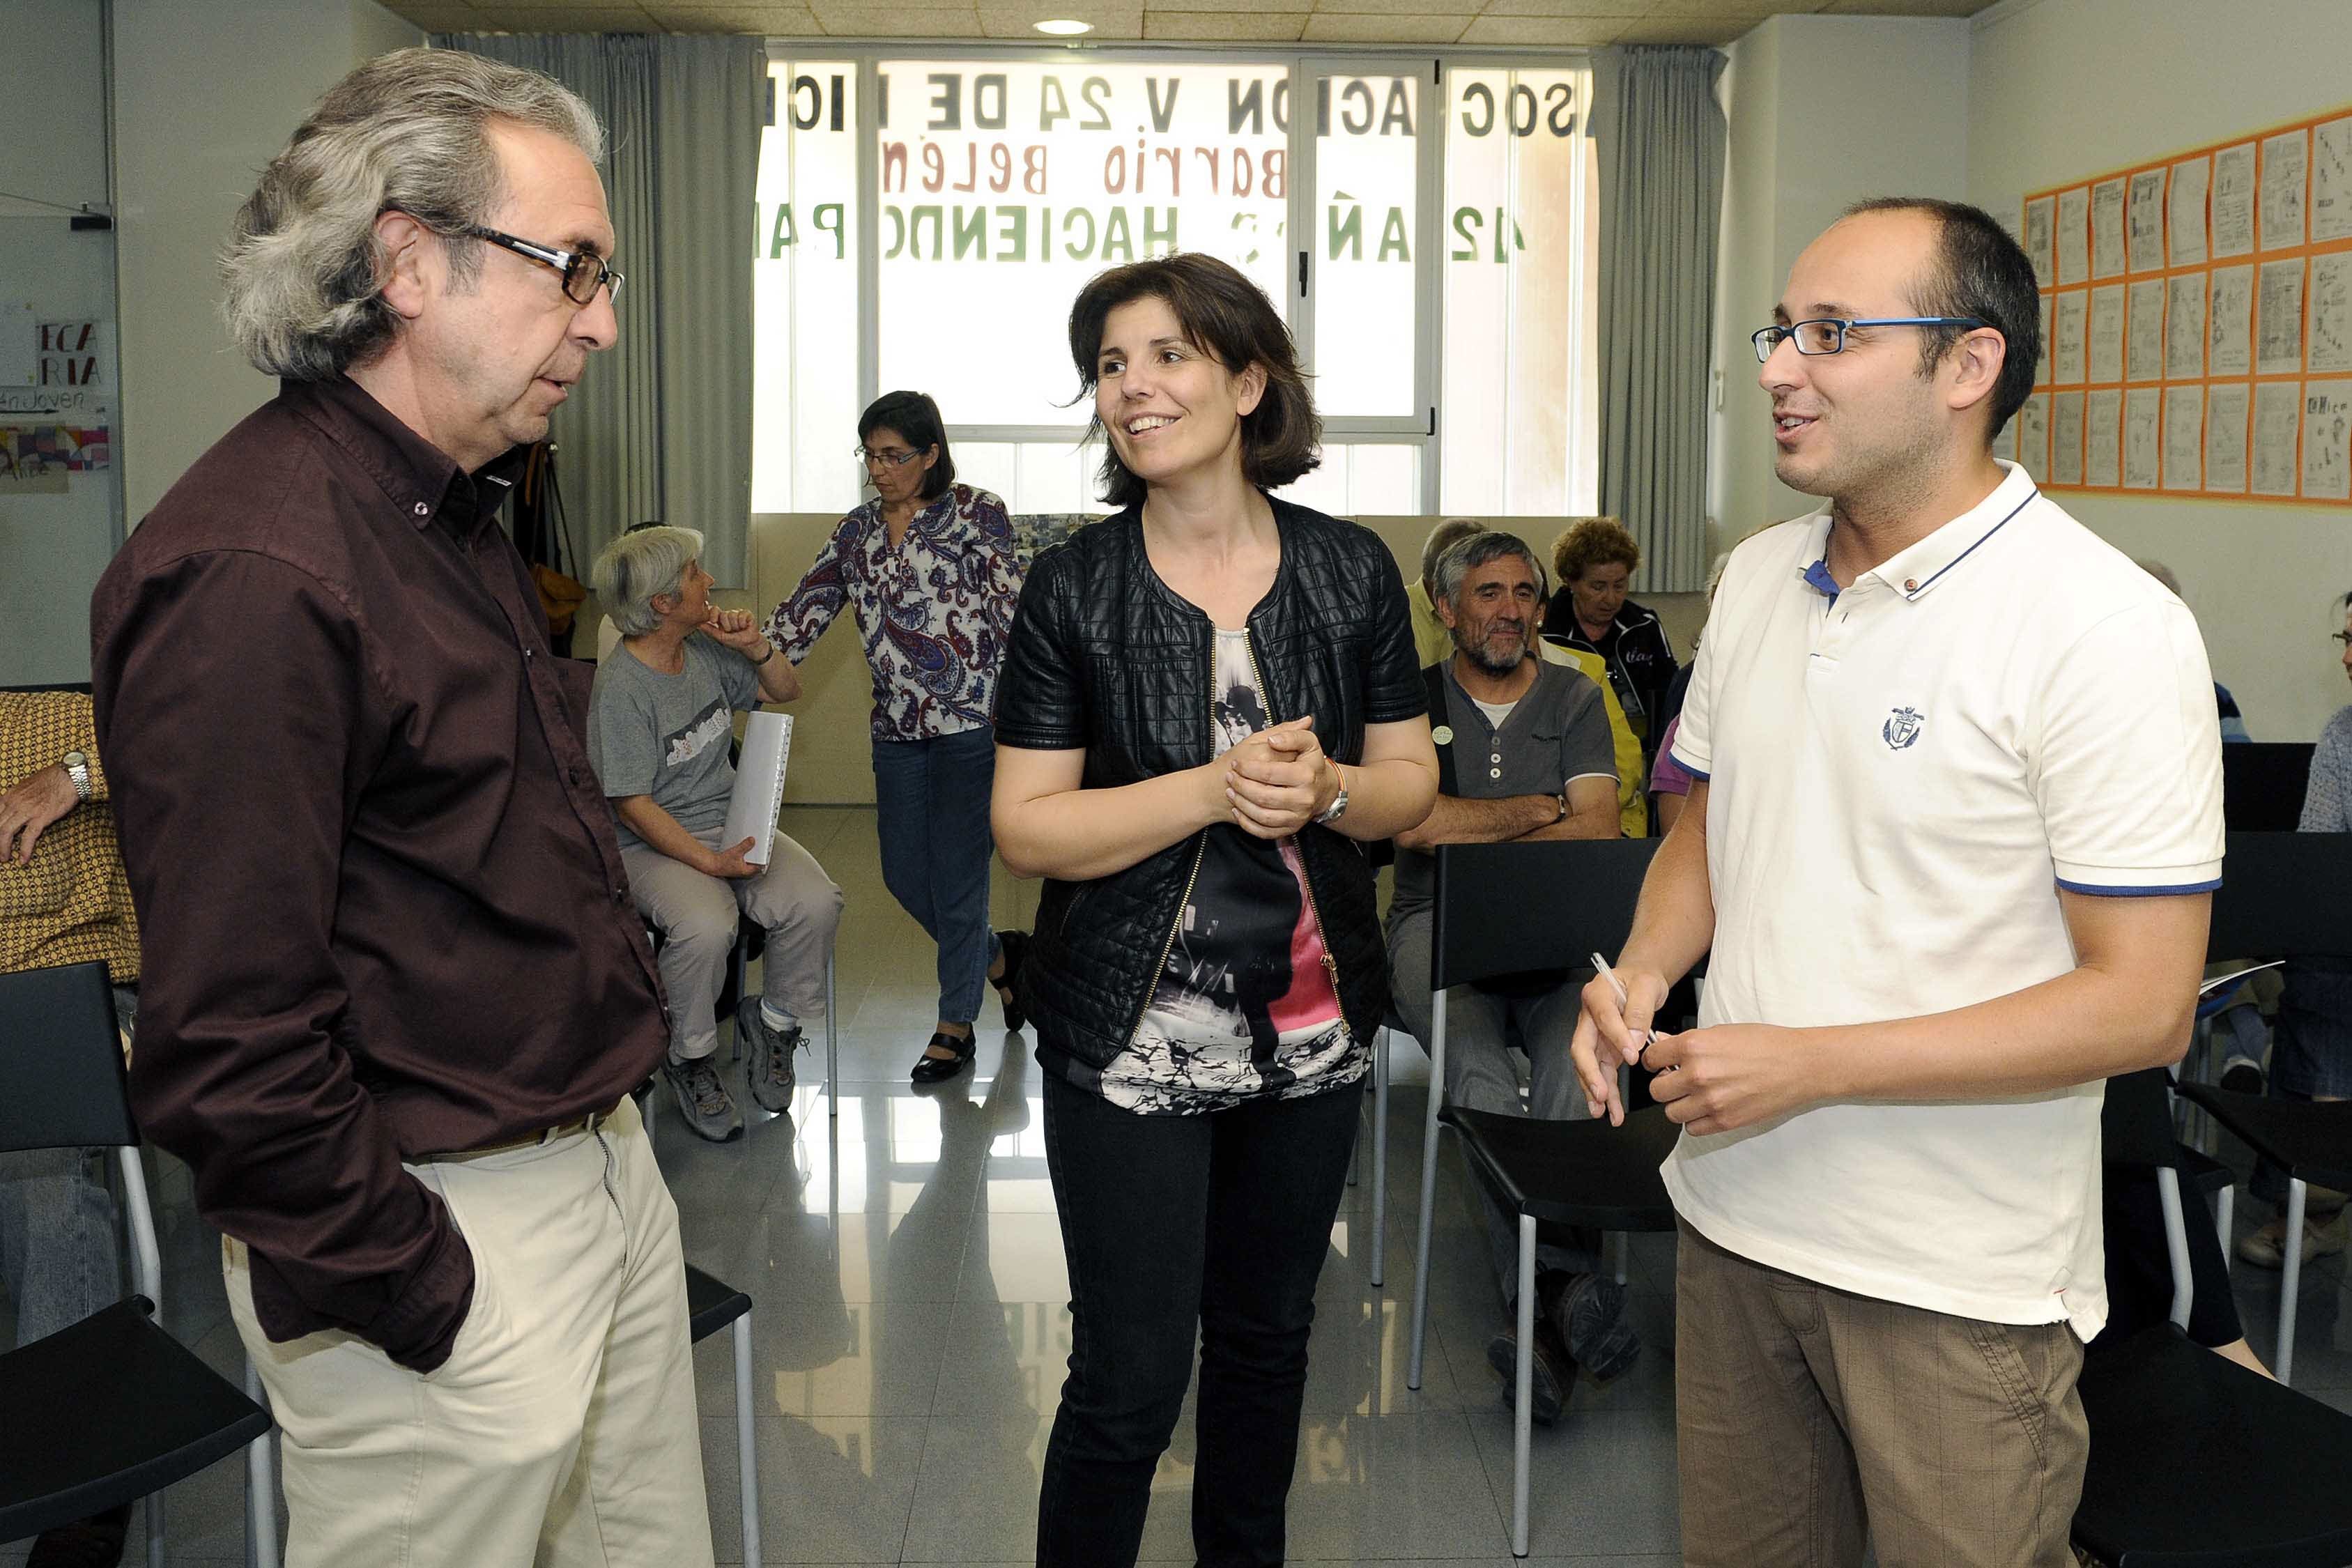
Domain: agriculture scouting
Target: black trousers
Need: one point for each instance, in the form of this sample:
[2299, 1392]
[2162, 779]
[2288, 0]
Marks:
[1215, 1225]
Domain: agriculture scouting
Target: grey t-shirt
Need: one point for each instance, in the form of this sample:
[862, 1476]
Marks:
[666, 735]
[1558, 732]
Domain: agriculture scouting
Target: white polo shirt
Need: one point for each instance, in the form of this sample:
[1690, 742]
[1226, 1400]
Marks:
[1902, 777]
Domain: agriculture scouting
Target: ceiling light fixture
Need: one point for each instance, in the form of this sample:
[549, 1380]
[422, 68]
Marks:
[1064, 28]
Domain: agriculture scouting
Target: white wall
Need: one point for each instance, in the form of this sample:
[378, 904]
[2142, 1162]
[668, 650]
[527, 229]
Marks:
[2061, 88]
[207, 91]
[53, 148]
[1824, 112]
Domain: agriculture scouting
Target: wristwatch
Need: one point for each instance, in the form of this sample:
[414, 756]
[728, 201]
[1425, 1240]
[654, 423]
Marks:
[1339, 807]
[77, 767]
[1563, 807]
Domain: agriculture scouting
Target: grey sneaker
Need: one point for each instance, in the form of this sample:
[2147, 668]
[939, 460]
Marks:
[1590, 1314]
[703, 1099]
[768, 1057]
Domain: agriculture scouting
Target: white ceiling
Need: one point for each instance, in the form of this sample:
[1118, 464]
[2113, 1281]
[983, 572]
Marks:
[1534, 22]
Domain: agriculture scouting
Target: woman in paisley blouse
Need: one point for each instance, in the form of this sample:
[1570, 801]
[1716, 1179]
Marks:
[928, 568]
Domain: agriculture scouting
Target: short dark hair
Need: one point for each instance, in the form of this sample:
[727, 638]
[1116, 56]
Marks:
[1979, 269]
[1229, 318]
[1475, 550]
[914, 416]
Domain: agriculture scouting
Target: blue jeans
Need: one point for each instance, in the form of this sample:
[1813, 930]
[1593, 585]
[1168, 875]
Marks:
[60, 1253]
[930, 802]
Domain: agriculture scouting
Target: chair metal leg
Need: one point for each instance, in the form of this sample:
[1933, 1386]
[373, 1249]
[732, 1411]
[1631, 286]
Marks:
[2225, 1211]
[1428, 1187]
[1354, 1159]
[146, 1255]
[1379, 1151]
[742, 962]
[746, 1448]
[1522, 1417]
[155, 1501]
[260, 1484]
[832, 1044]
[2175, 1244]
[2291, 1281]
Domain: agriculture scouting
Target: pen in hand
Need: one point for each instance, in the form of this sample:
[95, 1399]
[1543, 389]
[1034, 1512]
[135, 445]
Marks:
[1600, 967]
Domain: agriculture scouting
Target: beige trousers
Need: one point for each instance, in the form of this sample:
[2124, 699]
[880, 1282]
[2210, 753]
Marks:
[562, 1429]
[1807, 1418]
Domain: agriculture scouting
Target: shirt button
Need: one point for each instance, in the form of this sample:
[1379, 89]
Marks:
[422, 508]
[1494, 773]
[1910, 584]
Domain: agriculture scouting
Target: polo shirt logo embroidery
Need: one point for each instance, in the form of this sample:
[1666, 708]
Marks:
[1902, 728]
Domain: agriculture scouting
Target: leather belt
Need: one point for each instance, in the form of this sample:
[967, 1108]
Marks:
[588, 1123]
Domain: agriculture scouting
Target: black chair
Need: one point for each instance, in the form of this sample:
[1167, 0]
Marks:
[710, 1307]
[112, 1409]
[2263, 784]
[1516, 910]
[2197, 1462]
[2282, 893]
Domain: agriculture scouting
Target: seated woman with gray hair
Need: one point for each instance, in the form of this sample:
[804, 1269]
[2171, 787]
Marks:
[659, 725]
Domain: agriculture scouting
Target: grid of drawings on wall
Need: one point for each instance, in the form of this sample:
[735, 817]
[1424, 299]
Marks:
[2197, 322]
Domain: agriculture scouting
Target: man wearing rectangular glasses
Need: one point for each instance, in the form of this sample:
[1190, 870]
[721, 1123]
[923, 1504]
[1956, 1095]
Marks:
[397, 992]
[1949, 857]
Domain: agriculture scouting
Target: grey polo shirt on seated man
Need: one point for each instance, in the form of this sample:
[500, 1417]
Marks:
[1557, 732]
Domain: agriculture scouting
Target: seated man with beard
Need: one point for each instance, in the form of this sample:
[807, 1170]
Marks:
[1532, 759]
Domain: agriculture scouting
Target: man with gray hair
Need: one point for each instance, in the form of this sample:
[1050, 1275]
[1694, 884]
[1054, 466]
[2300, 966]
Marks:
[1525, 753]
[658, 727]
[395, 992]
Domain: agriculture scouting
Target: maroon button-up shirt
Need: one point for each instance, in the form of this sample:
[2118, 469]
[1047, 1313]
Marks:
[383, 906]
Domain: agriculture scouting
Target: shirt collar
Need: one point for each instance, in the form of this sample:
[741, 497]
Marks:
[1912, 572]
[420, 480]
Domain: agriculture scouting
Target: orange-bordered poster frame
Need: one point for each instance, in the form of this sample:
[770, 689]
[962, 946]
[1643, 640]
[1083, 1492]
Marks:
[2320, 376]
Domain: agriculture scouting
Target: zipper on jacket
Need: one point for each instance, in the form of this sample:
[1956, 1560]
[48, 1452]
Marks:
[1306, 877]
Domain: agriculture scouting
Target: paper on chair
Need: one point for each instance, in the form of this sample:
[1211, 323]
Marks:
[758, 784]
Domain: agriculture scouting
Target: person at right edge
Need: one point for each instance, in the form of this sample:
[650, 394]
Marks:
[1946, 888]
[1209, 701]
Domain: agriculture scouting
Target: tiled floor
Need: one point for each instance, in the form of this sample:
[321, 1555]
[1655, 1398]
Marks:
[910, 1325]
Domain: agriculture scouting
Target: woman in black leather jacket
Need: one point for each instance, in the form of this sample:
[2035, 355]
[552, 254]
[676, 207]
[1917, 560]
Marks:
[1208, 701]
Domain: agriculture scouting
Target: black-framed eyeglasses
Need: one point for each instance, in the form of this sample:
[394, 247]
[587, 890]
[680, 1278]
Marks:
[899, 460]
[2344, 638]
[583, 270]
[1826, 334]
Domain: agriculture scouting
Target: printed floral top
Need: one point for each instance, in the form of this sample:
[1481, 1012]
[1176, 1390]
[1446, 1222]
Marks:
[934, 612]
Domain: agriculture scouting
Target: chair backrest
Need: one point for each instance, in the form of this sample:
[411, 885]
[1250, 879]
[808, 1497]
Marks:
[2263, 784]
[2136, 1120]
[1515, 909]
[2282, 893]
[61, 1080]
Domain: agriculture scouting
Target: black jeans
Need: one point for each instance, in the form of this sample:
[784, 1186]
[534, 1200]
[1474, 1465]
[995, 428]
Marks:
[1219, 1221]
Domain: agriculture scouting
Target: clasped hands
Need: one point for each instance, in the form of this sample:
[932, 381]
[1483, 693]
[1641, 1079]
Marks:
[1708, 1080]
[1276, 781]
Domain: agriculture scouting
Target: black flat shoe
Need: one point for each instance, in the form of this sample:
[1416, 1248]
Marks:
[929, 1068]
[1016, 949]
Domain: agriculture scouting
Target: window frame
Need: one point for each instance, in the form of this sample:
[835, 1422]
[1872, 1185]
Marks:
[1305, 63]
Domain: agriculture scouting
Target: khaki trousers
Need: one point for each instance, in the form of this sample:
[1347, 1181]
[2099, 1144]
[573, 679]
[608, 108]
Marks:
[791, 898]
[1809, 1417]
[562, 1429]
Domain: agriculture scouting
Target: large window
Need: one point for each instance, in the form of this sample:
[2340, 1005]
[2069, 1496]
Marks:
[925, 223]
